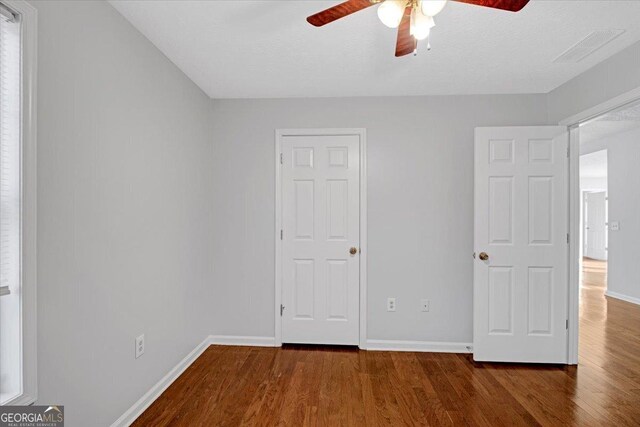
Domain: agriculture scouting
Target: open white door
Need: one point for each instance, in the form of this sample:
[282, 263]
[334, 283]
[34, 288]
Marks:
[320, 239]
[521, 260]
[595, 225]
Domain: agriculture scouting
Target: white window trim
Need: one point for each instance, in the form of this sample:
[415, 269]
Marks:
[29, 37]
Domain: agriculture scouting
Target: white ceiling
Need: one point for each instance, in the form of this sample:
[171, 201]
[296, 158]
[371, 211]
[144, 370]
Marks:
[598, 130]
[594, 165]
[623, 119]
[243, 49]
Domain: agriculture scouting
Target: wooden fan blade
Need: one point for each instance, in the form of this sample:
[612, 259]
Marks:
[406, 43]
[338, 11]
[510, 5]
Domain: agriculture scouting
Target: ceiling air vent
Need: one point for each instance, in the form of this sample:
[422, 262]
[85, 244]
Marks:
[587, 45]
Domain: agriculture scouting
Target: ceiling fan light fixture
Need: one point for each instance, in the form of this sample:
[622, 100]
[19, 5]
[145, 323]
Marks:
[390, 12]
[412, 18]
[421, 24]
[432, 7]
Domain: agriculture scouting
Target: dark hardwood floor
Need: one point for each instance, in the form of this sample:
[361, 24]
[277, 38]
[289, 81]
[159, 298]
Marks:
[230, 386]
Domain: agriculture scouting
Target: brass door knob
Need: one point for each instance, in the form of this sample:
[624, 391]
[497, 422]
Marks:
[483, 256]
[353, 251]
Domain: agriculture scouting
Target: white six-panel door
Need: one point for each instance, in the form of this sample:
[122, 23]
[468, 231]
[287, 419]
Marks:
[320, 217]
[595, 219]
[521, 223]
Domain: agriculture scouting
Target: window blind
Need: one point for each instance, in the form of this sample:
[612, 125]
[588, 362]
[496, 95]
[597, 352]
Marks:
[9, 150]
[10, 204]
[6, 14]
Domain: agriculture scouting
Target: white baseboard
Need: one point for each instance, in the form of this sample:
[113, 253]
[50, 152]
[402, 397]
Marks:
[149, 397]
[241, 340]
[419, 346]
[375, 345]
[632, 300]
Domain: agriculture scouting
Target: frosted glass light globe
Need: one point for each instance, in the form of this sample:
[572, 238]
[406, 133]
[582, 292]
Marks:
[421, 25]
[390, 12]
[432, 7]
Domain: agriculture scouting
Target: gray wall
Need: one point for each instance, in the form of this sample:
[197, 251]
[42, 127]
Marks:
[623, 179]
[124, 212]
[420, 194]
[612, 77]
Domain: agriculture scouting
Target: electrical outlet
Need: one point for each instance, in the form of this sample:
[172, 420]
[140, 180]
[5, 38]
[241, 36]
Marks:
[614, 226]
[424, 304]
[391, 304]
[140, 346]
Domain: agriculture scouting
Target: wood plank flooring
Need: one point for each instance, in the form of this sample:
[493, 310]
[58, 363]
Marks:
[325, 386]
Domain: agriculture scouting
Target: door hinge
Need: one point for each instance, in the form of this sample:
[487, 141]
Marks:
[568, 152]
[281, 234]
[567, 238]
[566, 323]
[281, 309]
[281, 159]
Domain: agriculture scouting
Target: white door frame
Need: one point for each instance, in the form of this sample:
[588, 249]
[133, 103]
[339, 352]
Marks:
[363, 223]
[575, 205]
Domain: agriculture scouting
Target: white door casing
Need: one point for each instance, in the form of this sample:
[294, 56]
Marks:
[521, 223]
[320, 197]
[595, 225]
[575, 277]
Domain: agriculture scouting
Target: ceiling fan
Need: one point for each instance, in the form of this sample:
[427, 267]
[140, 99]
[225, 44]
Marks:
[413, 18]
